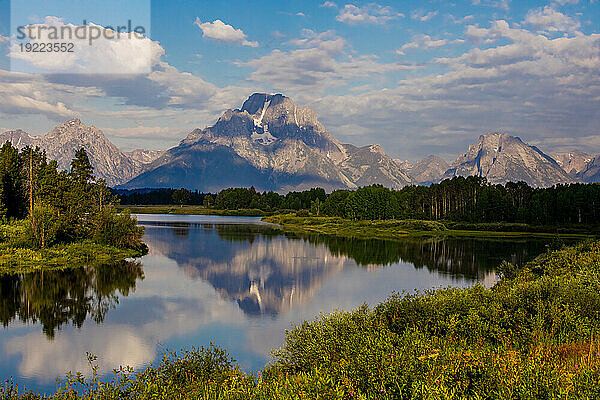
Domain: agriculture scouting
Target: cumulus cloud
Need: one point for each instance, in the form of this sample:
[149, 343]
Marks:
[425, 42]
[369, 14]
[221, 32]
[329, 4]
[24, 94]
[96, 50]
[548, 19]
[158, 93]
[531, 85]
[318, 62]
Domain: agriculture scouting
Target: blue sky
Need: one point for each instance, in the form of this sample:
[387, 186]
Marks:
[417, 77]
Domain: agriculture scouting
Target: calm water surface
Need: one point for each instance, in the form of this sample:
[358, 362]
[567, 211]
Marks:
[233, 281]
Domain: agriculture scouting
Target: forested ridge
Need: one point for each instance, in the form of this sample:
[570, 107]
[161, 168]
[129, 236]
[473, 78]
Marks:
[470, 199]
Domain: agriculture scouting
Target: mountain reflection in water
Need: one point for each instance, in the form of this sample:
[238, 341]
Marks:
[269, 271]
[232, 281]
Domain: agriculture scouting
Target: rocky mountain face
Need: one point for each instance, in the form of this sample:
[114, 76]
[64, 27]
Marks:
[429, 170]
[370, 164]
[272, 144]
[591, 172]
[574, 163]
[143, 156]
[110, 163]
[502, 158]
[18, 138]
[405, 165]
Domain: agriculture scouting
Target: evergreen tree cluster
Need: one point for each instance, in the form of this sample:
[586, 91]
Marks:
[470, 199]
[159, 197]
[242, 198]
[60, 206]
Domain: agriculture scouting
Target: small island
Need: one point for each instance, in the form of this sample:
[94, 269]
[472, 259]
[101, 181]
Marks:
[55, 219]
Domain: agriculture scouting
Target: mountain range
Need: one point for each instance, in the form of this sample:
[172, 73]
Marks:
[61, 143]
[272, 144]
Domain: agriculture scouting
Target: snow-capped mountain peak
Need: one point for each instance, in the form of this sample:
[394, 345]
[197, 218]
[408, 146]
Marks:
[281, 146]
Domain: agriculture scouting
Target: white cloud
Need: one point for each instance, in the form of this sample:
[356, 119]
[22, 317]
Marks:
[549, 20]
[531, 85]
[461, 20]
[155, 94]
[425, 42]
[221, 32]
[182, 87]
[369, 14]
[30, 94]
[319, 62]
[96, 50]
[477, 34]
[501, 4]
[423, 16]
[329, 4]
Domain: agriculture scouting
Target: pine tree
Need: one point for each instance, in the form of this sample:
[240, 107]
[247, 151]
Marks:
[81, 167]
[181, 196]
[12, 182]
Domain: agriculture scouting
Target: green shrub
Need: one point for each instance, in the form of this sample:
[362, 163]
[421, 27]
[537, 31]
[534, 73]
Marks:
[303, 213]
[117, 229]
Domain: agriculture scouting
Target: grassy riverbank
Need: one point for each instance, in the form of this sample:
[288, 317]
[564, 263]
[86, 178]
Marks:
[19, 260]
[536, 334]
[19, 255]
[390, 229]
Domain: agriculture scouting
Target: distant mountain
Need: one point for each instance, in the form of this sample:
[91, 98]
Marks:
[502, 158]
[591, 173]
[18, 138]
[143, 156]
[369, 164]
[272, 144]
[429, 170]
[573, 163]
[405, 165]
[110, 163]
